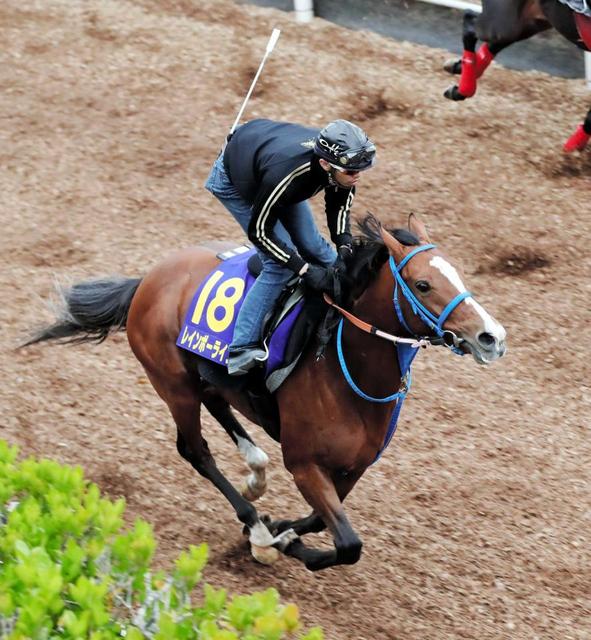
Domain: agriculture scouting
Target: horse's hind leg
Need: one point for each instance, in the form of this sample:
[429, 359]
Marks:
[184, 404]
[256, 483]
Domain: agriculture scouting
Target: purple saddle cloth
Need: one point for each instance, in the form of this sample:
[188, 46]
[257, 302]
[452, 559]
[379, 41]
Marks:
[209, 324]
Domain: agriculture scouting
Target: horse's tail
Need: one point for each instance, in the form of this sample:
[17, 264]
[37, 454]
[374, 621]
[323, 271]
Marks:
[89, 311]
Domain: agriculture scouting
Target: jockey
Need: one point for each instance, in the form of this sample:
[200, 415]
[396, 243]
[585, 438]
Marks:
[264, 177]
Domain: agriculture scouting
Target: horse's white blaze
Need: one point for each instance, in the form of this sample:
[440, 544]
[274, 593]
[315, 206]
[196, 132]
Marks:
[450, 272]
[490, 324]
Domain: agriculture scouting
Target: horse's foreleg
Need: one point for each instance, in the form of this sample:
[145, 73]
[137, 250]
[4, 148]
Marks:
[256, 483]
[310, 524]
[321, 494]
[578, 140]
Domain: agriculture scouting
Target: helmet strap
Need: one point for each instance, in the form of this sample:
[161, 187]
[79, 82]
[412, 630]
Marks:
[331, 171]
[331, 177]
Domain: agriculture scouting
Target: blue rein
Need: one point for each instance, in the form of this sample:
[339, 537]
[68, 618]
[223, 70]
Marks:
[431, 320]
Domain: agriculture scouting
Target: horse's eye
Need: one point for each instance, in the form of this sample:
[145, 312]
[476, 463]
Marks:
[423, 286]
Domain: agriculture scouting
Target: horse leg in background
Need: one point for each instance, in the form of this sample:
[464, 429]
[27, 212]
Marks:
[576, 29]
[256, 483]
[467, 65]
[578, 140]
[501, 24]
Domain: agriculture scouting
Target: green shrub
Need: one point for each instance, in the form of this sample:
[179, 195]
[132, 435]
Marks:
[68, 571]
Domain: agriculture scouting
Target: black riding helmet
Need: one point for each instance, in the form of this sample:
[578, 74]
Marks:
[345, 145]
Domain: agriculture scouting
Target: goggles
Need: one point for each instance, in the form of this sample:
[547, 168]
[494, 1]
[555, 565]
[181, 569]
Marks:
[362, 158]
[347, 172]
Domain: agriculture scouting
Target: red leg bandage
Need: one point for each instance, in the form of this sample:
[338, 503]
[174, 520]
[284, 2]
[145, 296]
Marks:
[467, 84]
[577, 141]
[483, 58]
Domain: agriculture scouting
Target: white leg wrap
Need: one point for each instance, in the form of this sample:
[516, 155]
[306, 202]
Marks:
[283, 540]
[260, 535]
[254, 486]
[257, 460]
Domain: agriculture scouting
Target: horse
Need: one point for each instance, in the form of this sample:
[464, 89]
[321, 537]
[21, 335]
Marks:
[503, 22]
[332, 421]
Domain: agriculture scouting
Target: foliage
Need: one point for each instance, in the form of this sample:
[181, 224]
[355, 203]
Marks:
[69, 571]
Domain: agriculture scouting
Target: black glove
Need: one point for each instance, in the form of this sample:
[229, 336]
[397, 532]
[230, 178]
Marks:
[319, 278]
[345, 251]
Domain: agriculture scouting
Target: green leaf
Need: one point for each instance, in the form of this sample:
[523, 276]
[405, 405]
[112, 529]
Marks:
[133, 633]
[314, 634]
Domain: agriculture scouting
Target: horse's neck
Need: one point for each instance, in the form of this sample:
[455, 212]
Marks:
[373, 361]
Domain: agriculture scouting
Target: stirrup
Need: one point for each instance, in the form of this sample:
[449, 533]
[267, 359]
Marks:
[246, 358]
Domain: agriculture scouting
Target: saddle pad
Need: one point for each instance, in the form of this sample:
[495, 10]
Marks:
[208, 327]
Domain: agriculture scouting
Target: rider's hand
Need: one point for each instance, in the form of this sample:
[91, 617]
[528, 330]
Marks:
[345, 251]
[319, 278]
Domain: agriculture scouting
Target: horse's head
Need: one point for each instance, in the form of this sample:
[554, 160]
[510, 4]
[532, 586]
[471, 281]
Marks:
[431, 300]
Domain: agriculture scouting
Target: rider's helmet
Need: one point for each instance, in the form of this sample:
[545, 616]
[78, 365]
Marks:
[346, 146]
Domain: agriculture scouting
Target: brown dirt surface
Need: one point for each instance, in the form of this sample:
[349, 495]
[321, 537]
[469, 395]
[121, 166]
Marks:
[476, 521]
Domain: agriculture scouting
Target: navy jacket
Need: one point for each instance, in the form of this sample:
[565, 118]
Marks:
[273, 166]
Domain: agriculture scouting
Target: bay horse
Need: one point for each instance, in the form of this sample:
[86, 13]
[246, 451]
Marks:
[329, 433]
[503, 22]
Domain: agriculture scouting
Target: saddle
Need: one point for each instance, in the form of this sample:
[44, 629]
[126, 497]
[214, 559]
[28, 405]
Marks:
[208, 328]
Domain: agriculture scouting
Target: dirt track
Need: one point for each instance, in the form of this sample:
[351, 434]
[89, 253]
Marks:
[476, 520]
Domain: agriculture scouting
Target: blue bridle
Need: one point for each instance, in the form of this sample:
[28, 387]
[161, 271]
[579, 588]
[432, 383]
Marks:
[444, 337]
[447, 338]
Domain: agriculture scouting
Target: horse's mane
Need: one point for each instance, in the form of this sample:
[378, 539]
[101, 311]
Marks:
[370, 252]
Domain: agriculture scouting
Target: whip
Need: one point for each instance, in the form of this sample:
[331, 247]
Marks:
[270, 45]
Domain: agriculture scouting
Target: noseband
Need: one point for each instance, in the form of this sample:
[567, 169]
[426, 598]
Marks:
[443, 336]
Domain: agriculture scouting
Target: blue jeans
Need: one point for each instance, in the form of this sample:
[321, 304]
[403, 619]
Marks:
[298, 231]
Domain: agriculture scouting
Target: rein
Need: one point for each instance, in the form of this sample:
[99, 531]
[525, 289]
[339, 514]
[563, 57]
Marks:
[444, 337]
[370, 328]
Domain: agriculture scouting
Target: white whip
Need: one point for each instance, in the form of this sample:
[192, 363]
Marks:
[270, 45]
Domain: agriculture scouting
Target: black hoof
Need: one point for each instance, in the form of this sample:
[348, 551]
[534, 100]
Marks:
[453, 93]
[453, 66]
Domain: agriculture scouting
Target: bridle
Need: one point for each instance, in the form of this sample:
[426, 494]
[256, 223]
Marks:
[442, 336]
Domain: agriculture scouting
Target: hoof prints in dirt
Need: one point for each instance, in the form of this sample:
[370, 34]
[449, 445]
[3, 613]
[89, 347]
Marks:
[516, 261]
[370, 105]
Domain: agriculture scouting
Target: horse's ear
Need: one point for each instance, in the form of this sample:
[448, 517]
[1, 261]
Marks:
[395, 248]
[418, 228]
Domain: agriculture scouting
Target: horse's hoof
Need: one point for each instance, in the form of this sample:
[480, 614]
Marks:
[453, 66]
[453, 93]
[264, 555]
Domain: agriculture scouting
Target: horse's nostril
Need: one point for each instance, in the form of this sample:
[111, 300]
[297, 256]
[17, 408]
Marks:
[486, 339]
